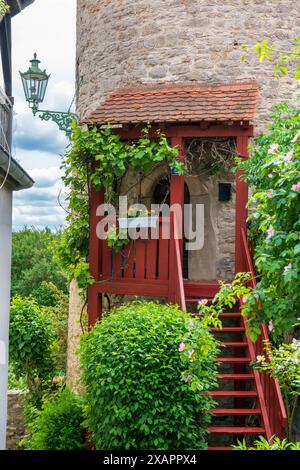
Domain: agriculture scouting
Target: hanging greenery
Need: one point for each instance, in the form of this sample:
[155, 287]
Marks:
[4, 8]
[273, 173]
[100, 158]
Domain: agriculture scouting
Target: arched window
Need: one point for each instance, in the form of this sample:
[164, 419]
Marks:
[161, 195]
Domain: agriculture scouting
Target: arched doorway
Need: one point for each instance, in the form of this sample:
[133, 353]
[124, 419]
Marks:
[161, 195]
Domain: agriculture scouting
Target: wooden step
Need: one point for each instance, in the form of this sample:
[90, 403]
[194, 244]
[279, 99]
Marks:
[233, 359]
[219, 448]
[236, 376]
[234, 344]
[233, 393]
[236, 411]
[236, 430]
[227, 329]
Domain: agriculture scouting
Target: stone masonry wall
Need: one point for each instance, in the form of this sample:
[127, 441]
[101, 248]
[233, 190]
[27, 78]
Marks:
[128, 41]
[15, 430]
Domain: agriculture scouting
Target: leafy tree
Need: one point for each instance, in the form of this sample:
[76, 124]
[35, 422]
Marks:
[33, 262]
[273, 173]
[30, 346]
[284, 61]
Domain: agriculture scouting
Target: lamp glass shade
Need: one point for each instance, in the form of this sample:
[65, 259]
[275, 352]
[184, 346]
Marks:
[35, 82]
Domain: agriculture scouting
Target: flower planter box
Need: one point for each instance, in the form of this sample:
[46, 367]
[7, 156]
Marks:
[137, 222]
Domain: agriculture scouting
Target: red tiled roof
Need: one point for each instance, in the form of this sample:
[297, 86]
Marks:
[178, 102]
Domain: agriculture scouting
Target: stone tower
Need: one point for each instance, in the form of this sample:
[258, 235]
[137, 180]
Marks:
[138, 41]
[122, 42]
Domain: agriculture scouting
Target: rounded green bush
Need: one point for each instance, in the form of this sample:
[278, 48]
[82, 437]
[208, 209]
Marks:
[59, 425]
[144, 367]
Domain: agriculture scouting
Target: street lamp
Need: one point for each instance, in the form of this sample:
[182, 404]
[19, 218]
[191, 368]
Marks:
[35, 82]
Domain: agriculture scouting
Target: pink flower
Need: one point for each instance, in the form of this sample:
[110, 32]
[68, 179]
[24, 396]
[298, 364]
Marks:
[287, 268]
[270, 193]
[270, 326]
[273, 148]
[288, 157]
[270, 232]
[202, 302]
[296, 187]
[260, 358]
[244, 299]
[181, 347]
[296, 137]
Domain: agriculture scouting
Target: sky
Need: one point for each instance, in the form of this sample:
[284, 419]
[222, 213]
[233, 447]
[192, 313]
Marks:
[47, 27]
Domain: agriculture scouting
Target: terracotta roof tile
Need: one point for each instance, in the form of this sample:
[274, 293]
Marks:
[178, 102]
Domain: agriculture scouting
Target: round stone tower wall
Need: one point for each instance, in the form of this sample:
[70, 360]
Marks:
[142, 41]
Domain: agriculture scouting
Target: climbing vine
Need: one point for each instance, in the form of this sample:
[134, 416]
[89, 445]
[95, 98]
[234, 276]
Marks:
[4, 8]
[273, 173]
[100, 159]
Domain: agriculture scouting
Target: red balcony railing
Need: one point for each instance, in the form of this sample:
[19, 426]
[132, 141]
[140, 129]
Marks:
[270, 387]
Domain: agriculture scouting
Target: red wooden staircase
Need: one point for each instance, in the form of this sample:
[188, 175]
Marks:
[248, 403]
[241, 409]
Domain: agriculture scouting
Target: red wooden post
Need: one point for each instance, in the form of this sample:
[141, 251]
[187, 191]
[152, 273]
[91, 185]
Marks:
[95, 258]
[240, 208]
[176, 197]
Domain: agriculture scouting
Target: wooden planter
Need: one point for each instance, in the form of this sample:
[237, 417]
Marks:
[138, 222]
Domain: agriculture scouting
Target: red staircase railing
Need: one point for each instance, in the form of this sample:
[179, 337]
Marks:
[270, 387]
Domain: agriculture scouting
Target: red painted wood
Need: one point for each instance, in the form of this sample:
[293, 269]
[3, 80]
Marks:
[236, 376]
[117, 265]
[106, 260]
[236, 411]
[140, 259]
[179, 294]
[155, 288]
[240, 207]
[233, 393]
[151, 258]
[237, 430]
[94, 306]
[198, 289]
[227, 329]
[191, 131]
[272, 405]
[234, 344]
[163, 255]
[233, 359]
[129, 260]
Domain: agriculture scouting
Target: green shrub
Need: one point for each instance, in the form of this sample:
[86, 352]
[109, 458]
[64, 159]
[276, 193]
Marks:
[262, 444]
[142, 392]
[273, 174]
[30, 345]
[59, 424]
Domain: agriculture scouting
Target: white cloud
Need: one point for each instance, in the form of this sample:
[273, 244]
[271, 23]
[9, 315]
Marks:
[47, 27]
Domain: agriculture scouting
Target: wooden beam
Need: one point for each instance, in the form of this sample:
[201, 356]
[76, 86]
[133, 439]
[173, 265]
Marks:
[240, 207]
[124, 286]
[192, 130]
